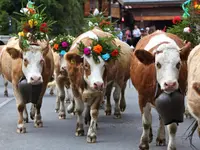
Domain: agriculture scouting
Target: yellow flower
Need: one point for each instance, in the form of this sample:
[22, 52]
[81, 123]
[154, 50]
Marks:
[30, 22]
[21, 33]
[35, 23]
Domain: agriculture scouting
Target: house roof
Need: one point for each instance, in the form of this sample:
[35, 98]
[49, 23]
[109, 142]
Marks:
[129, 2]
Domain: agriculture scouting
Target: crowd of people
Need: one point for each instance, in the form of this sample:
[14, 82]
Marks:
[132, 37]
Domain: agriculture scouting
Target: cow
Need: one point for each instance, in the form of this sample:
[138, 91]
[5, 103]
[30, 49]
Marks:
[88, 79]
[35, 65]
[62, 84]
[158, 58]
[193, 93]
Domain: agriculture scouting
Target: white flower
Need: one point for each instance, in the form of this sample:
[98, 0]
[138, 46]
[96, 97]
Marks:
[96, 12]
[187, 30]
[24, 10]
[90, 23]
[96, 24]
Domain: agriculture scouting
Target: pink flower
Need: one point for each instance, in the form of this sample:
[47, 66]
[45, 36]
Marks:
[64, 44]
[86, 51]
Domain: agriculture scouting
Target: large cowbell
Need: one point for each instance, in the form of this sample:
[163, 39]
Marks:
[30, 93]
[171, 107]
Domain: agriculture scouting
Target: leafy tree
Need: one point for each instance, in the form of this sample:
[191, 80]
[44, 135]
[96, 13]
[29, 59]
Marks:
[68, 14]
[4, 19]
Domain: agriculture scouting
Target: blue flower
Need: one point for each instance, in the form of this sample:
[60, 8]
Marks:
[105, 56]
[62, 53]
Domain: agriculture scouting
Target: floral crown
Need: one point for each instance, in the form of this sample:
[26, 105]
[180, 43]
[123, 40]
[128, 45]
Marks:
[103, 47]
[97, 19]
[32, 25]
[62, 43]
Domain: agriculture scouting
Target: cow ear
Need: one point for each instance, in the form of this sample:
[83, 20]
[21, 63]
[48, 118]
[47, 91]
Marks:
[185, 51]
[14, 53]
[145, 57]
[74, 59]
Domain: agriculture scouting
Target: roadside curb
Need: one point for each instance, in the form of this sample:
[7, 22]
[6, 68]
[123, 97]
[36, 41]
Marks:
[6, 101]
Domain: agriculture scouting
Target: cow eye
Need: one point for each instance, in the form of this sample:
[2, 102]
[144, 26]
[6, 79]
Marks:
[178, 65]
[25, 62]
[158, 65]
[86, 66]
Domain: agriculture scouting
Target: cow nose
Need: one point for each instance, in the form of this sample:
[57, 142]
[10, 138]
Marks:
[170, 84]
[35, 78]
[63, 68]
[98, 85]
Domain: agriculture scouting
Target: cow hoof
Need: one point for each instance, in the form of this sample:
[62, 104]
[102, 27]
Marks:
[79, 132]
[117, 116]
[171, 148]
[38, 124]
[144, 146]
[108, 112]
[56, 110]
[91, 139]
[62, 116]
[122, 108]
[21, 130]
[26, 120]
[160, 142]
[6, 93]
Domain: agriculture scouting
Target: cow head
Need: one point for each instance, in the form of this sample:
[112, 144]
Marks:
[167, 58]
[93, 73]
[32, 58]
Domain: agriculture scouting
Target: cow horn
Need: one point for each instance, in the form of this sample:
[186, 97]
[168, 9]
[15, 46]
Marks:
[185, 50]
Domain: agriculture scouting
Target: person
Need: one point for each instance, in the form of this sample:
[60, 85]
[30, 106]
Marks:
[136, 35]
[120, 34]
[147, 30]
[128, 37]
[143, 32]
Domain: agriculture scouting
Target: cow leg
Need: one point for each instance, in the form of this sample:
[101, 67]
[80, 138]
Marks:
[160, 140]
[5, 87]
[67, 97]
[57, 103]
[38, 118]
[87, 115]
[172, 128]
[79, 107]
[122, 101]
[61, 98]
[51, 90]
[94, 112]
[20, 108]
[32, 112]
[25, 114]
[108, 109]
[146, 123]
[187, 113]
[116, 96]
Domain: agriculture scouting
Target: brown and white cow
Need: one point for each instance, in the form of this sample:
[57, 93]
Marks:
[35, 64]
[88, 79]
[193, 93]
[62, 84]
[158, 58]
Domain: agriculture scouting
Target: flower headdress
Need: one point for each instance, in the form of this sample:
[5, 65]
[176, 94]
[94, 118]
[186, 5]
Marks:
[62, 43]
[33, 26]
[103, 47]
[98, 19]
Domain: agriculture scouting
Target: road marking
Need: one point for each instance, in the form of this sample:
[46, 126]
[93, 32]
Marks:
[6, 102]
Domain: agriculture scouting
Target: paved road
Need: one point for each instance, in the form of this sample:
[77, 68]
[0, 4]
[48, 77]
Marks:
[123, 134]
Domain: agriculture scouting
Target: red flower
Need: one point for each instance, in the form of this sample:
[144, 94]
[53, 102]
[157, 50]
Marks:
[44, 27]
[176, 20]
[114, 53]
[26, 27]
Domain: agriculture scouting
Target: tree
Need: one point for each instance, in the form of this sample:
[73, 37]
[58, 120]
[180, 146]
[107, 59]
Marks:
[68, 14]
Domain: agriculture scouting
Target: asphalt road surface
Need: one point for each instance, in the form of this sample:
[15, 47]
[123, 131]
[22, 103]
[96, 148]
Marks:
[113, 134]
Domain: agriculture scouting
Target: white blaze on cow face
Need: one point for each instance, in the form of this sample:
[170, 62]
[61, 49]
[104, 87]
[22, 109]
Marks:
[167, 63]
[96, 70]
[32, 65]
[63, 64]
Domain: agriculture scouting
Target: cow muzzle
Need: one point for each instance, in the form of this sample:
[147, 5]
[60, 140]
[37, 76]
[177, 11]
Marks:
[170, 86]
[99, 86]
[35, 80]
